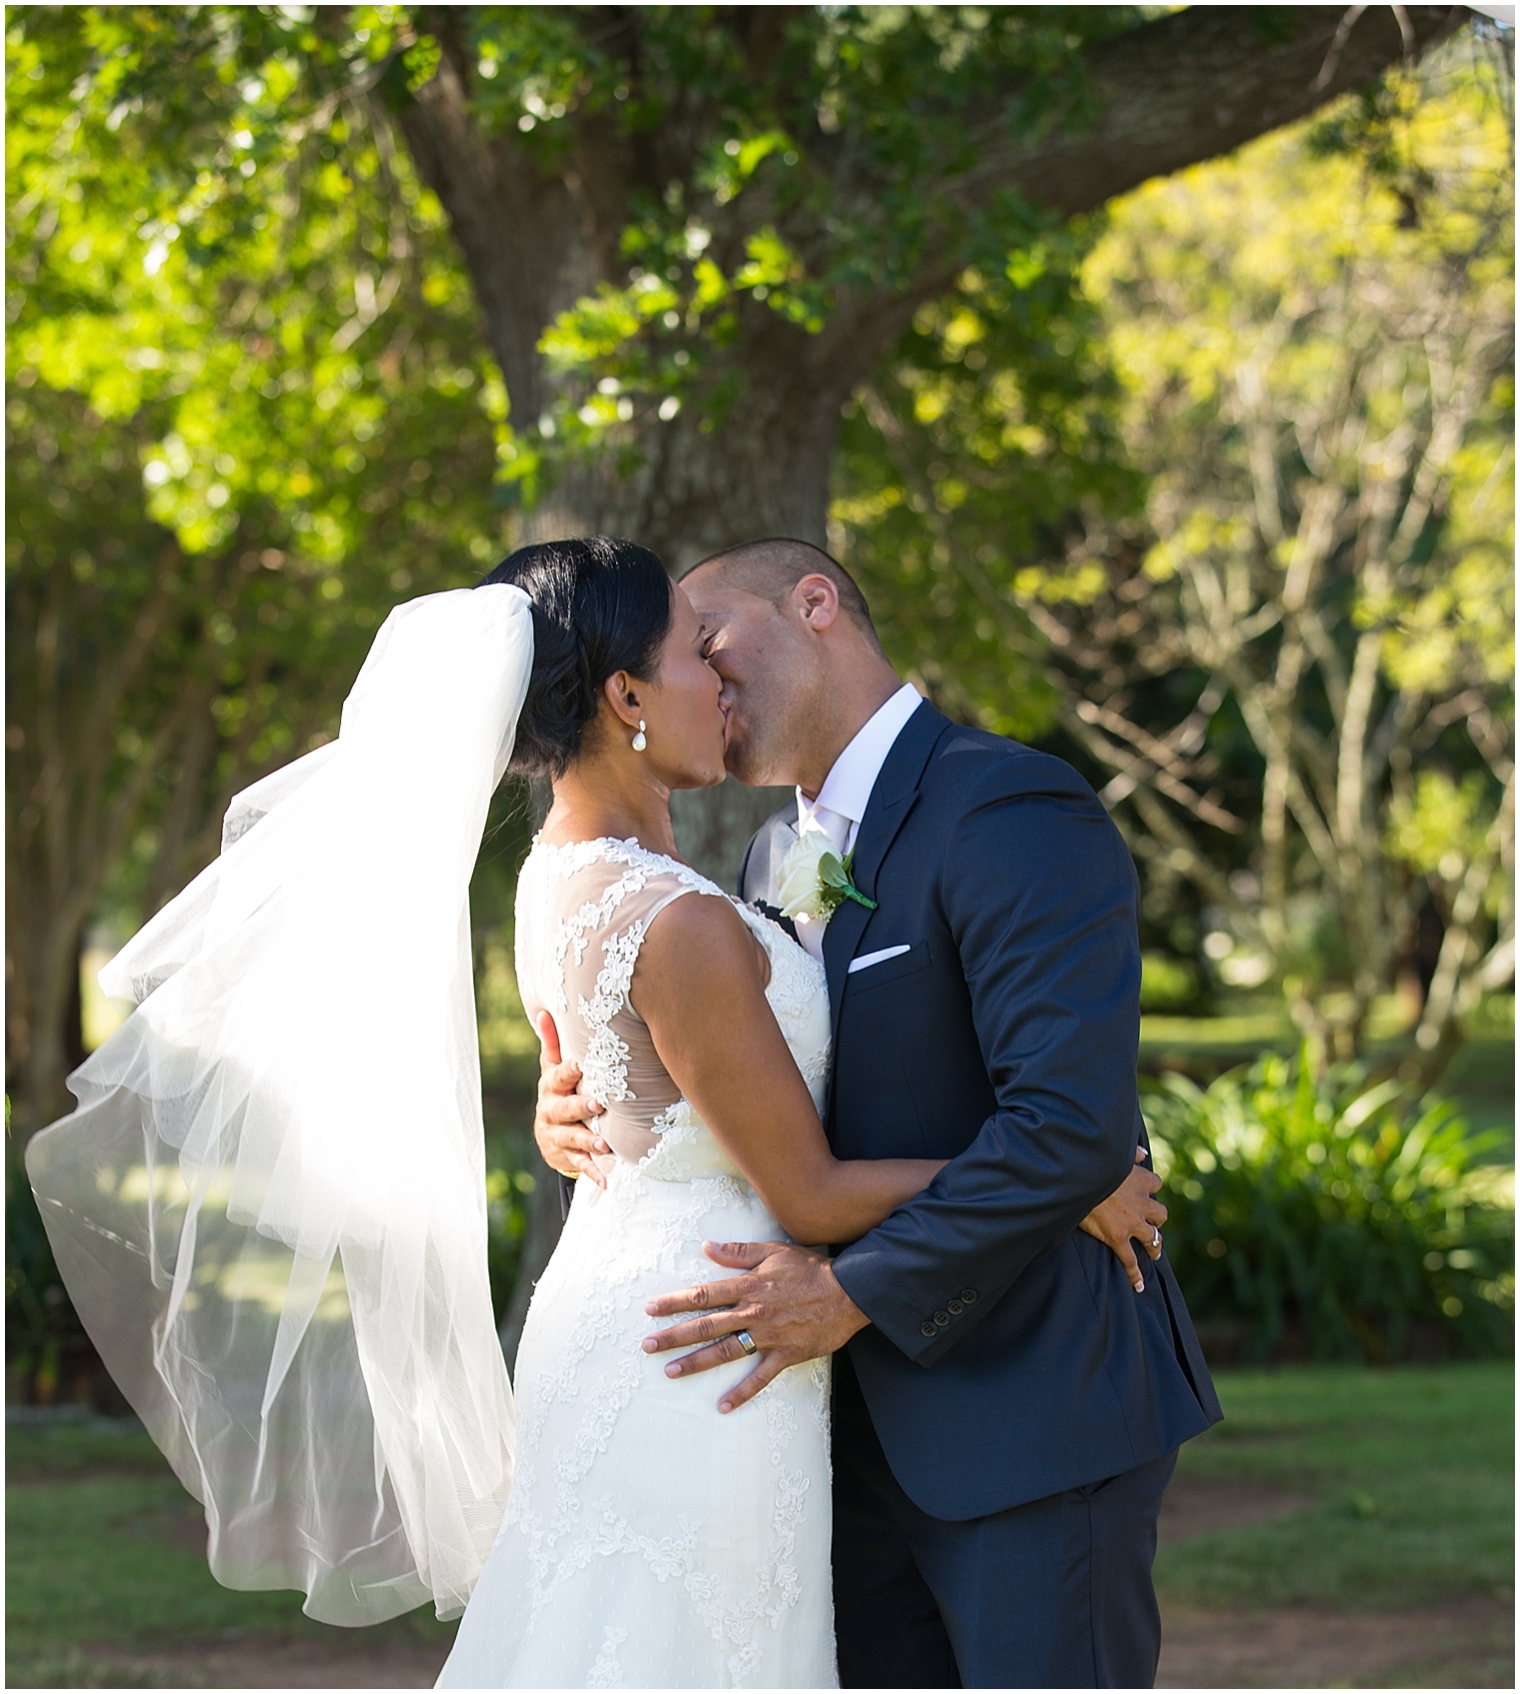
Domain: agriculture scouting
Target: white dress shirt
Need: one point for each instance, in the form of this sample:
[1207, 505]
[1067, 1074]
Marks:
[846, 791]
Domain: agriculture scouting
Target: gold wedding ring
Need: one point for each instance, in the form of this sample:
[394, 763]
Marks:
[746, 1341]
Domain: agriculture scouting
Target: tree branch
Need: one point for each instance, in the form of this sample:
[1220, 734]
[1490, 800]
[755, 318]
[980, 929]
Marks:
[1197, 84]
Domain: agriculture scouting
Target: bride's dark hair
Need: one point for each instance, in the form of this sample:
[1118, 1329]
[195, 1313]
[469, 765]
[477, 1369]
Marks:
[600, 605]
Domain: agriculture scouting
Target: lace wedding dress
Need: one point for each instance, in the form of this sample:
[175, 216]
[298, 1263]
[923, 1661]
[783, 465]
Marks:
[649, 1541]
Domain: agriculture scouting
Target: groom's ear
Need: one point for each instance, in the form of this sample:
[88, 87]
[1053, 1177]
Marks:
[816, 600]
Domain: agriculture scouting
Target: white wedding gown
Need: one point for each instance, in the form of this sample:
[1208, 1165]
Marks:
[649, 1541]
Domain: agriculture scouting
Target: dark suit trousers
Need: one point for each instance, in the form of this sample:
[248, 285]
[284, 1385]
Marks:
[1053, 1594]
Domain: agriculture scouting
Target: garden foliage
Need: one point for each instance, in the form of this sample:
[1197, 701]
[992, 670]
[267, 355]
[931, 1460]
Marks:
[47, 1351]
[1340, 1217]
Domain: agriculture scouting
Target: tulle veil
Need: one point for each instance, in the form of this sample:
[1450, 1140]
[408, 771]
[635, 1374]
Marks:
[269, 1204]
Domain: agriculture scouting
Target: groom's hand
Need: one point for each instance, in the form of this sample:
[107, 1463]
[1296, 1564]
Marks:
[789, 1301]
[565, 1138]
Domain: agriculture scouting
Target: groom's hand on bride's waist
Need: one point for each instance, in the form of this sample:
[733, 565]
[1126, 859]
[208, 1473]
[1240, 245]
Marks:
[565, 1138]
[788, 1302]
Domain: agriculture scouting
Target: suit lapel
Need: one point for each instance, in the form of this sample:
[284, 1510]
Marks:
[891, 801]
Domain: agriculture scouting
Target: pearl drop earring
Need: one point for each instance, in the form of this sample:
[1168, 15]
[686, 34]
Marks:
[640, 741]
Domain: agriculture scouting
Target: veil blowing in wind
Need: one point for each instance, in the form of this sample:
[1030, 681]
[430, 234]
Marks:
[269, 1205]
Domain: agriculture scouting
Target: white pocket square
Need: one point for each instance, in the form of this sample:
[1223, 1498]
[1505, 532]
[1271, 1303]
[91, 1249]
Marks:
[867, 959]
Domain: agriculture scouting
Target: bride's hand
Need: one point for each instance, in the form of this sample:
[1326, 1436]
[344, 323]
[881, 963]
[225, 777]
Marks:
[565, 1139]
[1131, 1213]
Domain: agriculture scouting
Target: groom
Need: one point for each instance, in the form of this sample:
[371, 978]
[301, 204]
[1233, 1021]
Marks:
[1007, 1409]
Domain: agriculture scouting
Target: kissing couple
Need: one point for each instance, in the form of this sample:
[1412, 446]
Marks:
[879, 1117]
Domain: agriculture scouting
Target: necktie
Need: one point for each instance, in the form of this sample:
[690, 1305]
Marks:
[834, 825]
[837, 828]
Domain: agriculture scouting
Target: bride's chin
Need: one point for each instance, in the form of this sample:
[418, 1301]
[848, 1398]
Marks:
[708, 777]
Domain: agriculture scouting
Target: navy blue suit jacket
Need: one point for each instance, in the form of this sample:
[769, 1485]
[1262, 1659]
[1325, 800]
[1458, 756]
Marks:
[1008, 1357]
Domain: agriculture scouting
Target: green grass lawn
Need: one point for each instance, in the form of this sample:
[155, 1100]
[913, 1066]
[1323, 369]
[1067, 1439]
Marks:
[1411, 1471]
[1413, 1474]
[105, 1550]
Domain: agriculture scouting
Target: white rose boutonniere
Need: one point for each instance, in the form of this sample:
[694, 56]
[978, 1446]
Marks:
[814, 879]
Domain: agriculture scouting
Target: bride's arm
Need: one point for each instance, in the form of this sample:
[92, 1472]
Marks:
[698, 987]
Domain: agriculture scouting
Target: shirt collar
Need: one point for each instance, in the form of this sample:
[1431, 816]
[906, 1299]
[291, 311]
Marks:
[847, 788]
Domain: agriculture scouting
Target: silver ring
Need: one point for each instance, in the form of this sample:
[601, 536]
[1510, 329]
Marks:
[1155, 1236]
[746, 1341]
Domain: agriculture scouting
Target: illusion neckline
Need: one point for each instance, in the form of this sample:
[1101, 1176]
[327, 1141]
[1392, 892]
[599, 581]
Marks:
[601, 841]
[629, 842]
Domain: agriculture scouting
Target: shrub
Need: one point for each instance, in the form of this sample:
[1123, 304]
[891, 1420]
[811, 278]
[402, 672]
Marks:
[508, 1193]
[48, 1356]
[1339, 1217]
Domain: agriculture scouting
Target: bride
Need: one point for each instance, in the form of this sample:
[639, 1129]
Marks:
[269, 1205]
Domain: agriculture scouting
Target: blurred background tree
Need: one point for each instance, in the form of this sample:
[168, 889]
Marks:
[1324, 394]
[1253, 532]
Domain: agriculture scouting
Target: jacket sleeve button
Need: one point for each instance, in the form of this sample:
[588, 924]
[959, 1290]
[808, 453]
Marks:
[955, 1307]
[942, 1318]
[928, 1329]
[969, 1296]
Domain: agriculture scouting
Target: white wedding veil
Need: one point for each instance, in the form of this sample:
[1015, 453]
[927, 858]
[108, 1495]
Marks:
[269, 1205]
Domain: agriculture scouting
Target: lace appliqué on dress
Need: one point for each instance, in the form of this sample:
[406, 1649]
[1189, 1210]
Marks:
[606, 1672]
[605, 1066]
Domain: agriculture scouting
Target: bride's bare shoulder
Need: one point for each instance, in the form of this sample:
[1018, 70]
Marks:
[696, 945]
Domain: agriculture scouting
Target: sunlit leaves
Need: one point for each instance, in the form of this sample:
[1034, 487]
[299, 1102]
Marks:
[1460, 620]
[226, 281]
[964, 465]
[1439, 828]
[1315, 342]
[648, 347]
[764, 160]
[1352, 253]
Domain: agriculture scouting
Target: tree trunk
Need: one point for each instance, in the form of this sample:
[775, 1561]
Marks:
[713, 826]
[42, 968]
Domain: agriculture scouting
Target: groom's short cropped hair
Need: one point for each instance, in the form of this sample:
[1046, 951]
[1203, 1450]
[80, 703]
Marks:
[772, 567]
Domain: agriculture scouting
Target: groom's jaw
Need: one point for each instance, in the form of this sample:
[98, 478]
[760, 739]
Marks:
[801, 667]
[764, 679]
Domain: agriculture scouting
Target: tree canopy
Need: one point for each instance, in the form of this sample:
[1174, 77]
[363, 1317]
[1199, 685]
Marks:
[248, 411]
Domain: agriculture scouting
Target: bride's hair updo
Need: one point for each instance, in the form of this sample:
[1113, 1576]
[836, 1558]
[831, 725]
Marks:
[600, 606]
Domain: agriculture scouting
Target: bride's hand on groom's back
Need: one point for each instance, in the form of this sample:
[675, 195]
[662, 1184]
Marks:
[565, 1139]
[1131, 1213]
